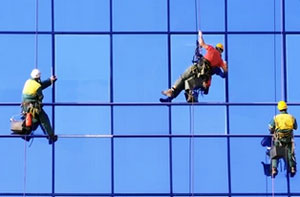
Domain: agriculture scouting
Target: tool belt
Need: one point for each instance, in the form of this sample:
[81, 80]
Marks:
[34, 108]
[202, 69]
[280, 135]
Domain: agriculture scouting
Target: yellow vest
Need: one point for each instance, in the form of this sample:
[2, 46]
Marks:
[284, 122]
[31, 87]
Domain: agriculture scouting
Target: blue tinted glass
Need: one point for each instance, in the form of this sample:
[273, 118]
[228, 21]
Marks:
[196, 164]
[198, 119]
[83, 165]
[18, 53]
[141, 120]
[253, 77]
[182, 51]
[82, 120]
[83, 74]
[250, 119]
[292, 15]
[197, 15]
[7, 112]
[19, 15]
[246, 167]
[293, 42]
[263, 15]
[144, 60]
[82, 15]
[141, 165]
[295, 181]
[136, 15]
[25, 165]
[12, 169]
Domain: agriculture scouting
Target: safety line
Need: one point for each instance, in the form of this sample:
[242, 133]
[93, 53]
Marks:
[191, 150]
[36, 32]
[196, 13]
[25, 167]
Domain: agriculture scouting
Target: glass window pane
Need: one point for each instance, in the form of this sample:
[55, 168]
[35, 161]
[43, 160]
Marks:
[136, 15]
[198, 119]
[82, 68]
[82, 15]
[18, 54]
[12, 168]
[82, 120]
[141, 165]
[292, 15]
[19, 15]
[251, 119]
[246, 167]
[196, 164]
[259, 18]
[144, 60]
[253, 77]
[83, 165]
[197, 14]
[141, 120]
[295, 181]
[293, 80]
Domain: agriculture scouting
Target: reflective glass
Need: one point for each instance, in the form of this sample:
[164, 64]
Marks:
[136, 15]
[254, 15]
[82, 15]
[83, 165]
[196, 14]
[251, 119]
[198, 119]
[200, 164]
[144, 60]
[252, 76]
[83, 70]
[19, 15]
[76, 120]
[292, 15]
[141, 165]
[141, 120]
[293, 42]
[18, 54]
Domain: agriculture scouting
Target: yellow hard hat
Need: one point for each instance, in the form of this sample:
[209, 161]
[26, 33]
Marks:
[281, 105]
[219, 45]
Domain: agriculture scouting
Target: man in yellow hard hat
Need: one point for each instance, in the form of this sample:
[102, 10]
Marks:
[32, 97]
[282, 126]
[198, 75]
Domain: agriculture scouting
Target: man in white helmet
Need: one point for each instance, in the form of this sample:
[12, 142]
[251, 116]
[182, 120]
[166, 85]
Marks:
[32, 97]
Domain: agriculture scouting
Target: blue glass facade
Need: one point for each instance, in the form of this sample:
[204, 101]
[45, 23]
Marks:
[112, 59]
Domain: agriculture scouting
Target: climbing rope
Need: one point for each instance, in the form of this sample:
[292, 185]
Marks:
[36, 33]
[191, 110]
[191, 151]
[25, 166]
[36, 66]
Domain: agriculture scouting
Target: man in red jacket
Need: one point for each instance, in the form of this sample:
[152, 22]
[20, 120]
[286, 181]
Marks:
[199, 74]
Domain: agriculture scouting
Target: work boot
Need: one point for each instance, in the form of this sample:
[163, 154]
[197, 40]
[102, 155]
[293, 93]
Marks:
[274, 172]
[165, 100]
[293, 171]
[168, 93]
[26, 138]
[52, 139]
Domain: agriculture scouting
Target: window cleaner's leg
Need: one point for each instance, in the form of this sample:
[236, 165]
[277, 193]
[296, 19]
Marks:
[46, 126]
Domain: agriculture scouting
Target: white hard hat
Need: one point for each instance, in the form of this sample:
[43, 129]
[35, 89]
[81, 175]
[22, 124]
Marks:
[35, 73]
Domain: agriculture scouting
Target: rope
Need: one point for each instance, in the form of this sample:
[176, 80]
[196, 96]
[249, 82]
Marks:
[25, 167]
[191, 150]
[36, 32]
[196, 13]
